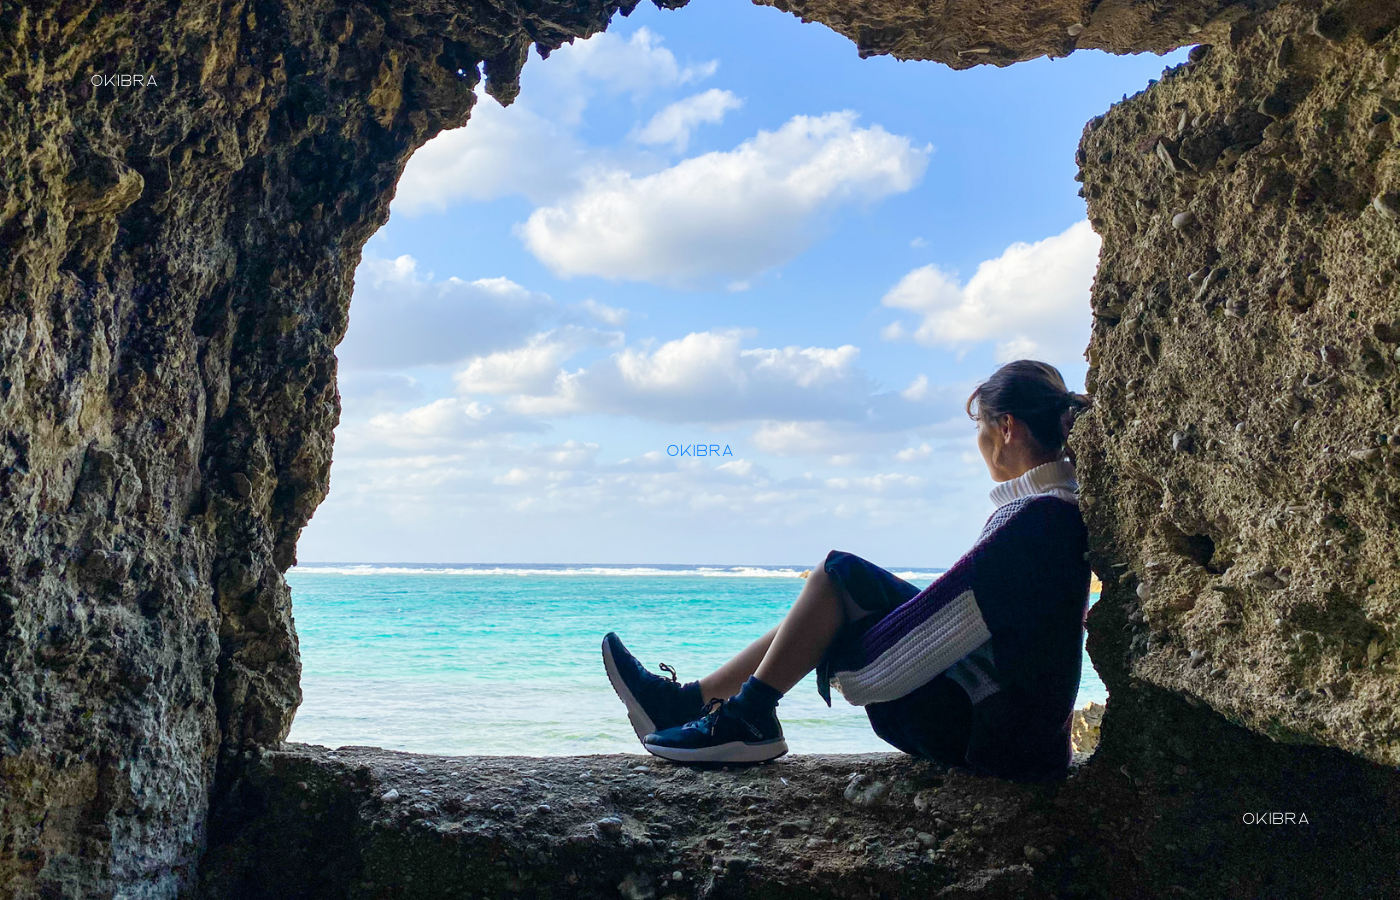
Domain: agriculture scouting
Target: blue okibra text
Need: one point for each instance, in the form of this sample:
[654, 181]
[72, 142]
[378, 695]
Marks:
[698, 450]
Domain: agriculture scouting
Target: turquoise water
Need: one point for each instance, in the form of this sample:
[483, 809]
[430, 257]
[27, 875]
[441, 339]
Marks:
[505, 659]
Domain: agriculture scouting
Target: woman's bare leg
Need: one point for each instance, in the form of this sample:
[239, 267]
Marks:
[725, 681]
[783, 656]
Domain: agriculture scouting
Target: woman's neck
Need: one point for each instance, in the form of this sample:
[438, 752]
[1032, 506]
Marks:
[1026, 465]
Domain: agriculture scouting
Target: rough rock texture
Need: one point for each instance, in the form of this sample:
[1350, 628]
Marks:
[962, 34]
[304, 822]
[176, 267]
[1243, 456]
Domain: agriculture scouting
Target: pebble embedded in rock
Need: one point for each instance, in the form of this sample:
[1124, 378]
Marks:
[1144, 591]
[859, 794]
[609, 825]
[1183, 220]
[636, 886]
[390, 796]
[1268, 579]
[1075, 30]
[1033, 854]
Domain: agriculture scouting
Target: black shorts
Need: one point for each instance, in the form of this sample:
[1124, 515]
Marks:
[933, 721]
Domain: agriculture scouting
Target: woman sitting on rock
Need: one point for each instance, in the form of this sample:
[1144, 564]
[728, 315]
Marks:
[979, 669]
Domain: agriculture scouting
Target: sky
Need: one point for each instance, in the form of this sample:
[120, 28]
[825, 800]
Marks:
[712, 227]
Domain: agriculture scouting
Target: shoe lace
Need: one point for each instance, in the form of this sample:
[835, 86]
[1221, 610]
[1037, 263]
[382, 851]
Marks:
[669, 671]
[713, 707]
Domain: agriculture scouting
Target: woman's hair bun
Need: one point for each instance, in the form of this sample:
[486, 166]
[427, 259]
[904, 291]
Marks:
[1035, 393]
[1074, 405]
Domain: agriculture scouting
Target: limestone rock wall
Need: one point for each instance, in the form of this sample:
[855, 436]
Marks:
[175, 267]
[1242, 461]
[963, 35]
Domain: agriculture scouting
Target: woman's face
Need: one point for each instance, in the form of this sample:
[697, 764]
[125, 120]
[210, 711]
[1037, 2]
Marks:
[990, 442]
[1004, 447]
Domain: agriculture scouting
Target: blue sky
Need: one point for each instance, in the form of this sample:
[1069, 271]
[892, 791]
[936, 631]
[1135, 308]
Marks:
[716, 225]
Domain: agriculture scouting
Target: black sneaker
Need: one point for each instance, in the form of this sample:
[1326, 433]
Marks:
[726, 733]
[653, 703]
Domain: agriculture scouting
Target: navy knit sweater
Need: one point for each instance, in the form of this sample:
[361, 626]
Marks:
[1006, 622]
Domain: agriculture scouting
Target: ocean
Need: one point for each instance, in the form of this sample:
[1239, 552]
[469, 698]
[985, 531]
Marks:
[505, 660]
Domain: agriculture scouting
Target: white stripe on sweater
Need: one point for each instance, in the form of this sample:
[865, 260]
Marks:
[920, 656]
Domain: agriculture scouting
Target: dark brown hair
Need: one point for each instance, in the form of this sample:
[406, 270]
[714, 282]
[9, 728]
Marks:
[1035, 393]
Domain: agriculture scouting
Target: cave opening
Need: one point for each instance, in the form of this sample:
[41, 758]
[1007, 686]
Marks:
[484, 271]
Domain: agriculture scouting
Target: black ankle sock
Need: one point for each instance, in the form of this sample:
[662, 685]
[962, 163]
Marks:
[691, 697]
[757, 696]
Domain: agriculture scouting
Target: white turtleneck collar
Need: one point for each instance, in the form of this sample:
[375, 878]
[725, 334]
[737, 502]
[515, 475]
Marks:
[1055, 478]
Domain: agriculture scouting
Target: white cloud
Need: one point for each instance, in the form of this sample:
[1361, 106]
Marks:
[674, 124]
[878, 483]
[709, 376]
[917, 389]
[528, 369]
[501, 151]
[446, 415]
[442, 423]
[400, 319]
[608, 315]
[1033, 300]
[914, 454]
[366, 393]
[531, 147]
[839, 443]
[636, 65]
[531, 369]
[723, 216]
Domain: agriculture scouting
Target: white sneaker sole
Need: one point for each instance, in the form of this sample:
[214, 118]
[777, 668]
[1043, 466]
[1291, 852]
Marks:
[641, 722]
[734, 751]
